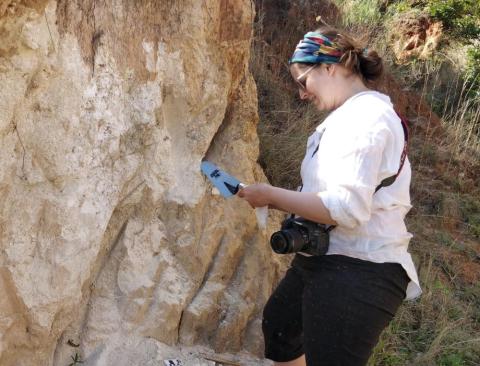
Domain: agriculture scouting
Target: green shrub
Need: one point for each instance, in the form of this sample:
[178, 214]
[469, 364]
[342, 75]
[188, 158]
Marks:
[468, 26]
[446, 10]
[400, 7]
[461, 16]
[473, 64]
[454, 359]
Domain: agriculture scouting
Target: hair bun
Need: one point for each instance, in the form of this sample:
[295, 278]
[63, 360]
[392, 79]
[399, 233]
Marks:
[359, 59]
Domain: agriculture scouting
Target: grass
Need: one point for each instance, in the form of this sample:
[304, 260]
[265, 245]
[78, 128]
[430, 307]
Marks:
[431, 330]
[470, 209]
[442, 327]
[359, 12]
[286, 121]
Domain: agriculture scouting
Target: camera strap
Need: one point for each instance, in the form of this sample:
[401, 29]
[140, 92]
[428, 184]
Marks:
[388, 181]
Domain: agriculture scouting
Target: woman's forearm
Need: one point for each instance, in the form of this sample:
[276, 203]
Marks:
[304, 204]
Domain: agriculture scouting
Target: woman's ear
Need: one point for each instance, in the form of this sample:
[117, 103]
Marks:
[331, 69]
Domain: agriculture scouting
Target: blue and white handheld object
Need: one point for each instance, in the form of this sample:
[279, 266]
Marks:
[227, 185]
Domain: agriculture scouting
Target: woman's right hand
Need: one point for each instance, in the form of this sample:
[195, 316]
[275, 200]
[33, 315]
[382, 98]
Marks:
[257, 195]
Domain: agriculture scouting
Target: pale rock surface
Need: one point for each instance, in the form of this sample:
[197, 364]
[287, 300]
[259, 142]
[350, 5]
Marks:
[110, 238]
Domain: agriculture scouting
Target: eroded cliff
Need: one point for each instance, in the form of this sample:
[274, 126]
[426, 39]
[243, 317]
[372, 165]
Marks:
[108, 231]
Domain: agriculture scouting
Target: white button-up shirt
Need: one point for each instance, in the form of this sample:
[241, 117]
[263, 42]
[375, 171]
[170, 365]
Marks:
[349, 154]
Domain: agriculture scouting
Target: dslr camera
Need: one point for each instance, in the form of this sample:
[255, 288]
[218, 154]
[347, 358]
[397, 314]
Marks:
[301, 235]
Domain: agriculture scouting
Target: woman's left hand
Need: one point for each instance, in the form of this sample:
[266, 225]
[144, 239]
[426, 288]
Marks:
[256, 194]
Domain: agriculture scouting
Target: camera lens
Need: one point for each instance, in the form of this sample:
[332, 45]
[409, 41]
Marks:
[287, 241]
[279, 243]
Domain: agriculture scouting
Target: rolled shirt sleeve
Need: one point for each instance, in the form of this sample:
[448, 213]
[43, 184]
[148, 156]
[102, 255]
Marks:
[354, 175]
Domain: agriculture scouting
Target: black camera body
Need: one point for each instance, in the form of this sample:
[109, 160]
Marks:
[301, 235]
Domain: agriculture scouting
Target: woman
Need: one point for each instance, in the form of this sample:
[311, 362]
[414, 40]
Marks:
[331, 309]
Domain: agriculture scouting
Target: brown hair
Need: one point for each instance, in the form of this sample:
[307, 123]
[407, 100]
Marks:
[356, 57]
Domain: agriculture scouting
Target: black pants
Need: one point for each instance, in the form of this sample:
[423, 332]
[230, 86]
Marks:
[332, 309]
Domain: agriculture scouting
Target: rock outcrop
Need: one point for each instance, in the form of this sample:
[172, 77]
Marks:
[110, 238]
[415, 36]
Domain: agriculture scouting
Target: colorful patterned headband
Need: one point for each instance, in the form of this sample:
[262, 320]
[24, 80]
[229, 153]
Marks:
[315, 48]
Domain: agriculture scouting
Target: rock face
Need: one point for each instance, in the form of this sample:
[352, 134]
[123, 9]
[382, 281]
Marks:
[108, 231]
[415, 36]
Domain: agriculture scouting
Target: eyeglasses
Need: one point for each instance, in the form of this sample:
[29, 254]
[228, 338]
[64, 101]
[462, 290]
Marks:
[301, 80]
